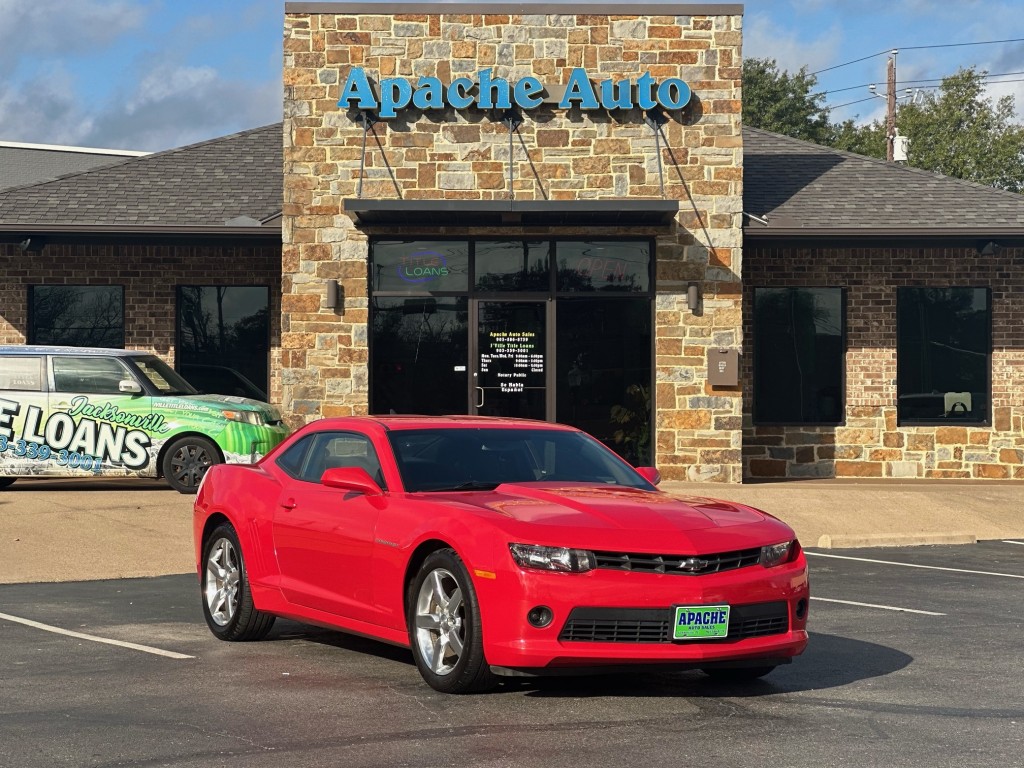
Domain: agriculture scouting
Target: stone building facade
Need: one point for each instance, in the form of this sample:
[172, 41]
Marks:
[557, 155]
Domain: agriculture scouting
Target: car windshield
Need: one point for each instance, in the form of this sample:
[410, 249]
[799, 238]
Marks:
[466, 459]
[163, 377]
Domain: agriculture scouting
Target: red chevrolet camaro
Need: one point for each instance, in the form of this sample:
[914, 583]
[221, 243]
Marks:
[495, 546]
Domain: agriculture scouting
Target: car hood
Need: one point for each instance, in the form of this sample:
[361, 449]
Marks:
[227, 402]
[618, 519]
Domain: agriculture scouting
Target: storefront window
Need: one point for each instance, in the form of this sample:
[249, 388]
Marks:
[798, 355]
[512, 266]
[77, 315]
[603, 377]
[414, 266]
[943, 355]
[224, 339]
[420, 350]
[622, 266]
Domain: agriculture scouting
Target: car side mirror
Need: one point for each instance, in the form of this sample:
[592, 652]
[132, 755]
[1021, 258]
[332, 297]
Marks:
[650, 474]
[129, 387]
[351, 479]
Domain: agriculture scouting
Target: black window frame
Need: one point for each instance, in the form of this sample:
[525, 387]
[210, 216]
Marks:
[843, 336]
[32, 335]
[986, 420]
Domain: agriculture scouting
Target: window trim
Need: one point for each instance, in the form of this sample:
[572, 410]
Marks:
[843, 335]
[986, 420]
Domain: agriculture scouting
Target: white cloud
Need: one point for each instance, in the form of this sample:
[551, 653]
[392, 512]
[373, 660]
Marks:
[765, 38]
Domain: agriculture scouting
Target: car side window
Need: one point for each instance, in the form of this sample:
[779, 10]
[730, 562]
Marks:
[89, 375]
[22, 373]
[340, 449]
[292, 458]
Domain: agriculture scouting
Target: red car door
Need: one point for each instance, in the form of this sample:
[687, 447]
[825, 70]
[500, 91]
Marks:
[324, 537]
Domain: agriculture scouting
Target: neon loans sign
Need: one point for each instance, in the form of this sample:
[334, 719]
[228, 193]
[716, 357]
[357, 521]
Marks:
[487, 92]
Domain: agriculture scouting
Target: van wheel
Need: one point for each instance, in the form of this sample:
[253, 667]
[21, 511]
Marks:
[6, 481]
[187, 460]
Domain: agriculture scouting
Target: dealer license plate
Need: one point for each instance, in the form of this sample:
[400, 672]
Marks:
[700, 621]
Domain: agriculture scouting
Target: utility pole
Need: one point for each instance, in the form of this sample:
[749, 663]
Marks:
[890, 117]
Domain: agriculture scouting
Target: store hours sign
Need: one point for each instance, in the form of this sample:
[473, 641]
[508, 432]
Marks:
[394, 94]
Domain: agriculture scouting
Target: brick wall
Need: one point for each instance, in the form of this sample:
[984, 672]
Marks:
[463, 156]
[150, 275]
[869, 443]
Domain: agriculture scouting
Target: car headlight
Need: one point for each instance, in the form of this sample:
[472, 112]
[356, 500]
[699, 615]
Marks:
[776, 554]
[248, 417]
[553, 558]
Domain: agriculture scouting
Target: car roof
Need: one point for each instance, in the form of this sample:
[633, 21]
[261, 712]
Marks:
[37, 349]
[414, 421]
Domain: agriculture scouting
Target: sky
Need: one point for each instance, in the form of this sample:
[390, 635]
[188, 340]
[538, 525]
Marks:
[156, 74]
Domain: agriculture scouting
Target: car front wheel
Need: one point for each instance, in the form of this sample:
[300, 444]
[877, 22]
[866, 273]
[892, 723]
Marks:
[444, 627]
[186, 461]
[227, 600]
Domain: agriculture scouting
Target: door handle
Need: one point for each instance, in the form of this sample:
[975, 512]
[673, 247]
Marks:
[289, 504]
[481, 391]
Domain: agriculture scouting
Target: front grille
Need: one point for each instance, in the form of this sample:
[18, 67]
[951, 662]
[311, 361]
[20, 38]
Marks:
[654, 625]
[679, 565]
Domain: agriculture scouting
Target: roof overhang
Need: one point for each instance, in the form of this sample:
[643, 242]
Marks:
[158, 230]
[527, 213]
[757, 233]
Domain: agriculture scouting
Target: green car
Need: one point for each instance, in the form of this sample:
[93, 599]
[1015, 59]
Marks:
[74, 412]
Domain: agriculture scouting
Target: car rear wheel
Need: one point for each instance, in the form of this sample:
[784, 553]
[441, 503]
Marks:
[187, 460]
[6, 481]
[444, 627]
[227, 600]
[737, 674]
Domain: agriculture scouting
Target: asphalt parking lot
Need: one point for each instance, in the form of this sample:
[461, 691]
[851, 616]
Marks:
[879, 684]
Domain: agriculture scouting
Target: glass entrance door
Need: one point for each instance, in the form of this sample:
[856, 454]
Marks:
[511, 359]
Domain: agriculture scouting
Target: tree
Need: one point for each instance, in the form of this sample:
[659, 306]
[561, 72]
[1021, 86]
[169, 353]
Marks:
[959, 132]
[783, 103]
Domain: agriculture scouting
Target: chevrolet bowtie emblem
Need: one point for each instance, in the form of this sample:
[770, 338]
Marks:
[693, 564]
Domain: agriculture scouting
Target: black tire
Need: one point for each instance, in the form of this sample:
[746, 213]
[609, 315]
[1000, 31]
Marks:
[6, 482]
[737, 674]
[224, 587]
[455, 663]
[186, 460]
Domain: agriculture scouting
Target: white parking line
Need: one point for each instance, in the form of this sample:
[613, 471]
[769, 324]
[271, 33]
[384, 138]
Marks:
[915, 565]
[1011, 541]
[883, 607]
[94, 638]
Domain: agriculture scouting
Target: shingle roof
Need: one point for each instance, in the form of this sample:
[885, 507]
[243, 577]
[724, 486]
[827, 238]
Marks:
[199, 186]
[23, 164]
[801, 187]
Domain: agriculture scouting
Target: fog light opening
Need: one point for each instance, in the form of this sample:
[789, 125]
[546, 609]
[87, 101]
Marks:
[540, 616]
[801, 609]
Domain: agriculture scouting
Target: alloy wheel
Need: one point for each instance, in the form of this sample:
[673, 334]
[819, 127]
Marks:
[223, 573]
[440, 621]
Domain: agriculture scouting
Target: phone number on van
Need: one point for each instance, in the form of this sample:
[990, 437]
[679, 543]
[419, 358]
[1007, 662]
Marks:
[64, 458]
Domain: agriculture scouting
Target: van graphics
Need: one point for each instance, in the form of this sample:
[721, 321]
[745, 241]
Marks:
[117, 436]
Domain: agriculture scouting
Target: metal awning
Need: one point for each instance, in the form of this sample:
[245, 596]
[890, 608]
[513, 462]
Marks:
[528, 213]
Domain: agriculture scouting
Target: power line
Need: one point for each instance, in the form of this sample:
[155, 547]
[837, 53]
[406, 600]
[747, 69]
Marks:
[919, 48]
[907, 82]
[920, 88]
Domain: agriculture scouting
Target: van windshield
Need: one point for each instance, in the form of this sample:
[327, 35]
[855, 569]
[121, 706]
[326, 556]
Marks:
[163, 377]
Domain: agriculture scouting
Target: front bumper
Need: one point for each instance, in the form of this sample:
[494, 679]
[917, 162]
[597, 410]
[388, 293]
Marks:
[511, 642]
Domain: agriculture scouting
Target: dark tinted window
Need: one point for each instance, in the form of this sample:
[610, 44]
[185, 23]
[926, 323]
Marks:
[470, 459]
[89, 375]
[798, 355]
[512, 266]
[943, 347]
[415, 266]
[331, 450]
[293, 457]
[224, 339]
[420, 351]
[622, 267]
[77, 315]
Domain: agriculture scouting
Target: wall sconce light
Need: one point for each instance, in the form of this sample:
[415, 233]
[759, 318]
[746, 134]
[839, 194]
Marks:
[331, 298]
[693, 297]
[32, 244]
[987, 249]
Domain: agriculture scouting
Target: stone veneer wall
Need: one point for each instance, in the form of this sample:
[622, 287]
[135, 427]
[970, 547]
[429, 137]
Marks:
[149, 274]
[869, 443]
[463, 156]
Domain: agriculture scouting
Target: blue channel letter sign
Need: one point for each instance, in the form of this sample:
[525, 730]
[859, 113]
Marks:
[488, 92]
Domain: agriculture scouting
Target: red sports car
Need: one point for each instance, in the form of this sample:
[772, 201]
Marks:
[495, 546]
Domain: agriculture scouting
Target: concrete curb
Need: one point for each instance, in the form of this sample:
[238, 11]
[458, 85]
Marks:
[841, 541]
